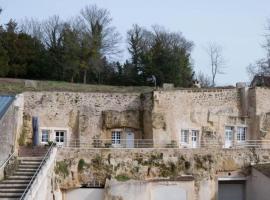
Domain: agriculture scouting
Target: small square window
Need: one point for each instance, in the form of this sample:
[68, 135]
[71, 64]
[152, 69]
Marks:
[59, 136]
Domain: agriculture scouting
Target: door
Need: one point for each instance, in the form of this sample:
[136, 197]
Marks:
[194, 138]
[231, 190]
[228, 137]
[129, 139]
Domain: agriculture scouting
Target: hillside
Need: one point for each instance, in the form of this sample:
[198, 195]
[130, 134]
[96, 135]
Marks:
[14, 86]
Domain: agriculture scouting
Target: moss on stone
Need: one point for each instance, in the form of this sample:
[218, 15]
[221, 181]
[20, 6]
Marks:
[61, 168]
[22, 138]
[81, 165]
[122, 177]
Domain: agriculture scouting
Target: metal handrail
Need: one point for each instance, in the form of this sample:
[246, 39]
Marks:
[7, 160]
[37, 171]
[152, 143]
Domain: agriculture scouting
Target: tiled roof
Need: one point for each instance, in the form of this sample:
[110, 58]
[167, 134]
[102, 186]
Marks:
[5, 102]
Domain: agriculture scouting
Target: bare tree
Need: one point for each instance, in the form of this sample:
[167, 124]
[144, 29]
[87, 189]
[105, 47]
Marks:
[262, 66]
[101, 37]
[53, 31]
[204, 80]
[217, 62]
[32, 27]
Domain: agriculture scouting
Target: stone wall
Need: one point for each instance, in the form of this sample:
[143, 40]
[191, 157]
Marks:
[76, 167]
[10, 128]
[261, 119]
[82, 113]
[205, 110]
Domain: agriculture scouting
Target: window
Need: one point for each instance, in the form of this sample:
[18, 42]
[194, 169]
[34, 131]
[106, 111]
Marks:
[59, 136]
[228, 133]
[194, 135]
[45, 135]
[116, 137]
[184, 136]
[241, 134]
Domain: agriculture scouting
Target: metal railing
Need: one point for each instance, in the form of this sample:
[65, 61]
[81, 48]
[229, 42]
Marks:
[7, 161]
[28, 188]
[150, 143]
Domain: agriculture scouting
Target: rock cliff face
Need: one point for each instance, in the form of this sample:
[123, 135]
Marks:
[78, 167]
[87, 115]
[115, 119]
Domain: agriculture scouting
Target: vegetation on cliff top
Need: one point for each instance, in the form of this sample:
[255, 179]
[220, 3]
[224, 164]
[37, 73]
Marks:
[18, 85]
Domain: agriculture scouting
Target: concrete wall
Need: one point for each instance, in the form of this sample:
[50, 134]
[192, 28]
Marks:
[10, 128]
[258, 186]
[44, 187]
[85, 194]
[150, 190]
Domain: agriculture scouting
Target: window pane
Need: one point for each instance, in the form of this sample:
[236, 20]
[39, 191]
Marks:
[184, 136]
[241, 133]
[60, 136]
[45, 136]
[116, 135]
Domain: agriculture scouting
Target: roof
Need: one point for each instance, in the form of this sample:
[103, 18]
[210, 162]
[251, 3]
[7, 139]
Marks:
[263, 168]
[5, 102]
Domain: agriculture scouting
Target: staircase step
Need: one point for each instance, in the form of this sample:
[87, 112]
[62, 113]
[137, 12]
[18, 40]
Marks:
[11, 182]
[19, 173]
[29, 165]
[11, 195]
[30, 162]
[11, 190]
[12, 185]
[19, 178]
[30, 158]
[26, 170]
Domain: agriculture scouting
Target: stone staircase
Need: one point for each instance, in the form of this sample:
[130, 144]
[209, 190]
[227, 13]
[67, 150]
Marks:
[29, 160]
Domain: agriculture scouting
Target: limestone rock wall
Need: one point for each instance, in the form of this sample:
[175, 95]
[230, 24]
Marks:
[261, 117]
[81, 113]
[200, 109]
[77, 167]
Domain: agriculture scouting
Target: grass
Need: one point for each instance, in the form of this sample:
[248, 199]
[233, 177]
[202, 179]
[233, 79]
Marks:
[122, 177]
[15, 86]
[61, 168]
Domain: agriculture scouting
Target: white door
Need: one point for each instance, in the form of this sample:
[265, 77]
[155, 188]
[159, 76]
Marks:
[130, 139]
[194, 138]
[228, 137]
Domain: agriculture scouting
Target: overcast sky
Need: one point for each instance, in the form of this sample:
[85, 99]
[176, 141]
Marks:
[237, 25]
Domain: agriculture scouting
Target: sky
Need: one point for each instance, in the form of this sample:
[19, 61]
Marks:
[237, 25]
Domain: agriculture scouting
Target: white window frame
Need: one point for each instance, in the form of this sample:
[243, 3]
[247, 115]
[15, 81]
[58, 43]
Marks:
[184, 136]
[52, 136]
[193, 136]
[116, 137]
[60, 137]
[43, 132]
[241, 135]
